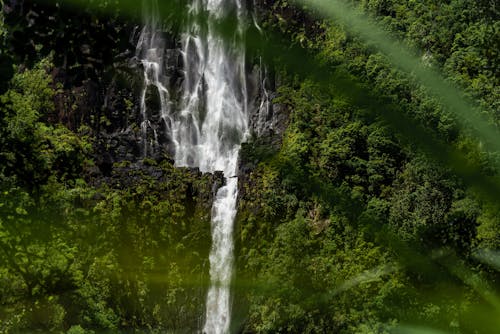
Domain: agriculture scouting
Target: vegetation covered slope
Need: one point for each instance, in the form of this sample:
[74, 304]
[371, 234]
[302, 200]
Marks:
[89, 243]
[126, 251]
[346, 227]
[350, 227]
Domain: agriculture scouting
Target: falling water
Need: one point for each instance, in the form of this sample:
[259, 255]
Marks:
[150, 51]
[208, 124]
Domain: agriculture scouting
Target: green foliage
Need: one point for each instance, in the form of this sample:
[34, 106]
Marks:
[107, 258]
[457, 35]
[319, 276]
[77, 256]
[346, 228]
[30, 148]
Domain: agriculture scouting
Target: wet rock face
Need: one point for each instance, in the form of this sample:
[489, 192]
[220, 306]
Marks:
[101, 86]
[268, 119]
[108, 108]
[128, 174]
[97, 86]
[268, 122]
[74, 36]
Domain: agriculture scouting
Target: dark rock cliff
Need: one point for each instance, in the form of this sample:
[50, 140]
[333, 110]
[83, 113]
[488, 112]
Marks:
[98, 88]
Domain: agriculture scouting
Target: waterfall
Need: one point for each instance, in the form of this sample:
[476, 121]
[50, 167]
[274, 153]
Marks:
[150, 51]
[208, 123]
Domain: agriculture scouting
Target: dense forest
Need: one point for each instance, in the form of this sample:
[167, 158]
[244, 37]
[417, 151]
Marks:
[367, 206]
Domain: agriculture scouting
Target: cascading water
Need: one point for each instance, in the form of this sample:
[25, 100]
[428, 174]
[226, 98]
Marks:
[150, 51]
[208, 124]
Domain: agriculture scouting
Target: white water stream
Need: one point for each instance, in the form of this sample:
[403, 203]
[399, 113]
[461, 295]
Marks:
[207, 127]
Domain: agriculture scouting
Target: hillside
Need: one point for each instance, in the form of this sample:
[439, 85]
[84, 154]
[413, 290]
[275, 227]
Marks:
[366, 201]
